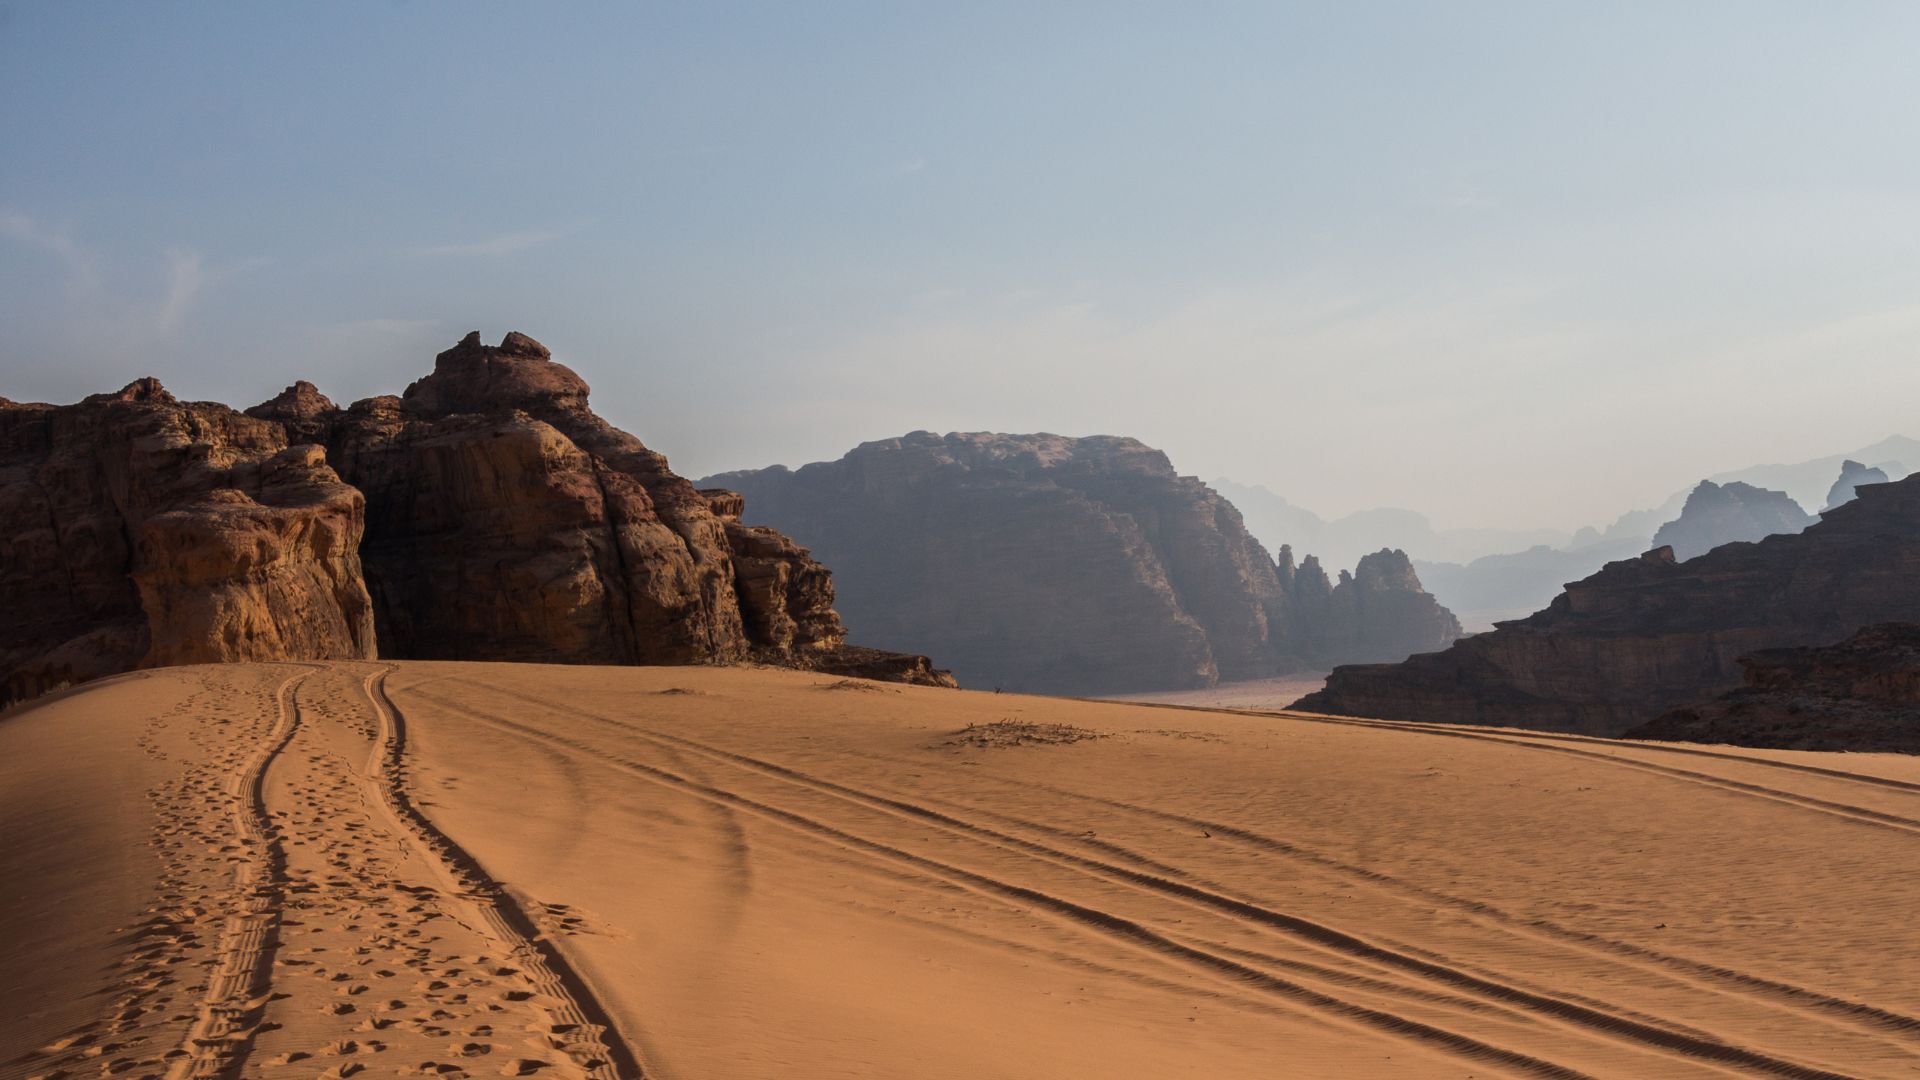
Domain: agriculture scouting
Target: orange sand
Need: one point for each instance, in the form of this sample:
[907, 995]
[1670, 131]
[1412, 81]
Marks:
[476, 870]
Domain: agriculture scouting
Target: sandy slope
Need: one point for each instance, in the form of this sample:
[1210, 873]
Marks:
[447, 869]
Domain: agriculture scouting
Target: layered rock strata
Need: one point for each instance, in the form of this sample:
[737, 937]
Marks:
[1650, 634]
[1053, 564]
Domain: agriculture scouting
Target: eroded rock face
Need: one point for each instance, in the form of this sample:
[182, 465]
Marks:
[1862, 694]
[1038, 562]
[146, 531]
[506, 521]
[1717, 514]
[1649, 634]
[486, 514]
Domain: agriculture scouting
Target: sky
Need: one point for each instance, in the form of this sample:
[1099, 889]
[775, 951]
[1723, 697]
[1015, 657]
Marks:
[1519, 264]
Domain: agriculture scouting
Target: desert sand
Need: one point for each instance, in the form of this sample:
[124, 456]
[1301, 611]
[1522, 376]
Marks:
[292, 870]
[1269, 694]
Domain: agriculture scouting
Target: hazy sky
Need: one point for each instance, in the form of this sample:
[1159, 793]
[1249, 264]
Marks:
[1525, 263]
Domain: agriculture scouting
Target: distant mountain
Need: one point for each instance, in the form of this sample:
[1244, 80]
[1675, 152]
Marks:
[1650, 634]
[1494, 588]
[1078, 565]
[1717, 514]
[1807, 481]
[1852, 475]
[1344, 540]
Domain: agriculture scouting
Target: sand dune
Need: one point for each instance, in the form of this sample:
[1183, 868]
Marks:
[464, 869]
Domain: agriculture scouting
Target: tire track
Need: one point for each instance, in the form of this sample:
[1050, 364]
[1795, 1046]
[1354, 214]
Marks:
[580, 1026]
[1696, 972]
[1845, 811]
[1632, 744]
[1114, 926]
[1326, 937]
[222, 1032]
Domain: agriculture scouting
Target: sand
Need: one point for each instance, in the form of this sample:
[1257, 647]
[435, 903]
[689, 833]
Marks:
[1275, 693]
[475, 870]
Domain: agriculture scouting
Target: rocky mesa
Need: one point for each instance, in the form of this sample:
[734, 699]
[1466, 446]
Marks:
[1077, 565]
[485, 514]
[1650, 634]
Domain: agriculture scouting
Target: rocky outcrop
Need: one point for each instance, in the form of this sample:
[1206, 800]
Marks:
[1650, 634]
[485, 514]
[1852, 475]
[144, 531]
[1717, 514]
[507, 521]
[1862, 694]
[1044, 563]
[1380, 612]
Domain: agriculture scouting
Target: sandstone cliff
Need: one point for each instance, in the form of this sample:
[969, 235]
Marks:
[1717, 514]
[1646, 635]
[1038, 562]
[486, 514]
[144, 531]
[1862, 694]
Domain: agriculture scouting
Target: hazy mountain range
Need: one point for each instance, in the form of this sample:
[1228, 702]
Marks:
[1484, 575]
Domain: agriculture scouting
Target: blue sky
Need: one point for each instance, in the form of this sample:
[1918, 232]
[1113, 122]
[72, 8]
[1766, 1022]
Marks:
[1507, 263]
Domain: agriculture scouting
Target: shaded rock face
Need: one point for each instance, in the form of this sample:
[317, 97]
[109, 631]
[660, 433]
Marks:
[145, 531]
[1380, 612]
[1650, 634]
[486, 514]
[1862, 694]
[1717, 514]
[1852, 475]
[1044, 563]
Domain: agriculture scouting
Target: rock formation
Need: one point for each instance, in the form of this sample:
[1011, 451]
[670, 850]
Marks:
[1717, 514]
[1380, 612]
[1038, 562]
[1649, 634]
[1852, 475]
[1862, 694]
[144, 531]
[486, 514]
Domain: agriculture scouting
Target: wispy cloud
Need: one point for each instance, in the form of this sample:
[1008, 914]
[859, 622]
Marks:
[55, 241]
[491, 248]
[909, 167]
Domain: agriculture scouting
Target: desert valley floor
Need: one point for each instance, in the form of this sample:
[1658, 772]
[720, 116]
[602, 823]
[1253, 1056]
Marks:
[291, 870]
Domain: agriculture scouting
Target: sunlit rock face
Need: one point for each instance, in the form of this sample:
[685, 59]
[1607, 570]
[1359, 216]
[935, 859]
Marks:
[485, 514]
[143, 530]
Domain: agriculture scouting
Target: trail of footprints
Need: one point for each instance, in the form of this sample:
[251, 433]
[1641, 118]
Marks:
[303, 928]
